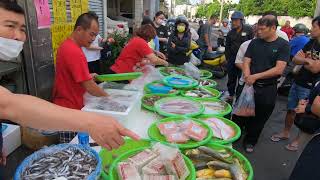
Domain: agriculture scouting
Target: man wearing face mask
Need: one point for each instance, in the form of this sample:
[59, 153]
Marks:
[162, 30]
[36, 113]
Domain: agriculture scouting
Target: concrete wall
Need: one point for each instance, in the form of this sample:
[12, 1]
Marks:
[282, 19]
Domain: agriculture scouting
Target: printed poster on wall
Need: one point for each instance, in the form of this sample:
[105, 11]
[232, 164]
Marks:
[59, 11]
[59, 33]
[43, 13]
[77, 8]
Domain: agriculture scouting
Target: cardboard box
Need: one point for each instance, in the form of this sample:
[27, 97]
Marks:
[11, 138]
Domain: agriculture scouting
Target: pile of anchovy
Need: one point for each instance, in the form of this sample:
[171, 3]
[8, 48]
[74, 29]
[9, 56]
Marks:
[70, 163]
[111, 106]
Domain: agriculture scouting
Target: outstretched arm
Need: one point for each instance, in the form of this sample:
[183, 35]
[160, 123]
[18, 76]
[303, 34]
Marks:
[36, 113]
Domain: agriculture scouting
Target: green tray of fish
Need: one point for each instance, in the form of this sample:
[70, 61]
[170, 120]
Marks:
[173, 92]
[215, 107]
[155, 135]
[191, 83]
[119, 77]
[236, 130]
[184, 107]
[108, 157]
[113, 169]
[201, 93]
[167, 71]
[210, 158]
[207, 83]
[204, 74]
[155, 98]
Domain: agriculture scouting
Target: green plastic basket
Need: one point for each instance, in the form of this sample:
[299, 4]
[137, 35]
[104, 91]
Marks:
[205, 74]
[147, 90]
[151, 108]
[155, 134]
[228, 122]
[119, 77]
[214, 83]
[243, 160]
[108, 157]
[114, 173]
[221, 113]
[166, 114]
[194, 83]
[162, 70]
[213, 91]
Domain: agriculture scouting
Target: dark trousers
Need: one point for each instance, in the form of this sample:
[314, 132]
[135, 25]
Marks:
[265, 99]
[307, 165]
[1, 172]
[94, 66]
[234, 74]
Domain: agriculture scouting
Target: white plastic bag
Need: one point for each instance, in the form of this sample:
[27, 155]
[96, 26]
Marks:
[245, 105]
[150, 74]
[194, 60]
[192, 70]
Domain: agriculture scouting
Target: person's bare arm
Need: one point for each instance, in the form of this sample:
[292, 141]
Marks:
[246, 66]
[36, 113]
[93, 89]
[315, 108]
[156, 60]
[95, 48]
[300, 58]
[207, 40]
[239, 65]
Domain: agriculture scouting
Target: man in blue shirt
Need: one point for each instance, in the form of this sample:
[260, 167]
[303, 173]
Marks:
[300, 39]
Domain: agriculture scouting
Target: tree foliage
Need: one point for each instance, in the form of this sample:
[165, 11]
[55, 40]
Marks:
[213, 8]
[293, 8]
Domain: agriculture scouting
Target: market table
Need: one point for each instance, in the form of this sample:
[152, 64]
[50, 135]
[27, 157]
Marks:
[139, 124]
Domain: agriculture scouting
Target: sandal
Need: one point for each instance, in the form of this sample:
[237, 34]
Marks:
[278, 137]
[292, 147]
[249, 148]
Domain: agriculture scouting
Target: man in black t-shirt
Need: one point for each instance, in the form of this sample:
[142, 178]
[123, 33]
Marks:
[303, 82]
[264, 62]
[238, 35]
[162, 31]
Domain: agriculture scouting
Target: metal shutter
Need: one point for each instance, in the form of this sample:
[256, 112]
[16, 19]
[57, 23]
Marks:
[97, 7]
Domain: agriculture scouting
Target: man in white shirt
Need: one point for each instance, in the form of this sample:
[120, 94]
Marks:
[93, 55]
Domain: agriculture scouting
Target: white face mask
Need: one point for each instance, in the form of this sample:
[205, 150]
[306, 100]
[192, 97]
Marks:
[9, 48]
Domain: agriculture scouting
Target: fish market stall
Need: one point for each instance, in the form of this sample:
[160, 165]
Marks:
[183, 137]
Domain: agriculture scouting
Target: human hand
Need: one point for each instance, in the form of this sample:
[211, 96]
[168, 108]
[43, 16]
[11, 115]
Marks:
[173, 45]
[161, 55]
[301, 108]
[3, 159]
[108, 133]
[94, 75]
[209, 49]
[251, 79]
[313, 65]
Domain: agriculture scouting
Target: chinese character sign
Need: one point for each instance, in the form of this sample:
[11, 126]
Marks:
[43, 13]
[59, 11]
[77, 8]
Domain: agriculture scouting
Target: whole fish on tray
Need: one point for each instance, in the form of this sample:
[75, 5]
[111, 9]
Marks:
[215, 107]
[179, 107]
[211, 164]
[200, 93]
[70, 163]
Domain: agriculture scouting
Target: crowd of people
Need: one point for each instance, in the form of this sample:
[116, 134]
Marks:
[256, 56]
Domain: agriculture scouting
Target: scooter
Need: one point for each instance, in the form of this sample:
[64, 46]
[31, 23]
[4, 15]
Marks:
[215, 62]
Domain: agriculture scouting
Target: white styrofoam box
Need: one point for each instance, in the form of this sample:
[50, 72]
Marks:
[131, 97]
[11, 138]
